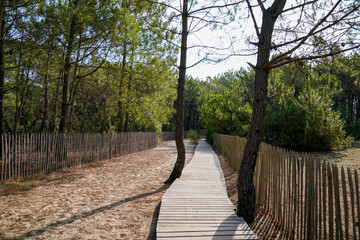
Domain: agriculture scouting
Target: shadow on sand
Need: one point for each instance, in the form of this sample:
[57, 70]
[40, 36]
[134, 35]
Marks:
[83, 215]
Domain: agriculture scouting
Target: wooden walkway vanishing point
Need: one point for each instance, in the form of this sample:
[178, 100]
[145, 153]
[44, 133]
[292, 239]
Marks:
[196, 205]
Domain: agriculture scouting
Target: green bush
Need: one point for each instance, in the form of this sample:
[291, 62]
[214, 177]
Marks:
[194, 136]
[223, 114]
[306, 121]
[301, 118]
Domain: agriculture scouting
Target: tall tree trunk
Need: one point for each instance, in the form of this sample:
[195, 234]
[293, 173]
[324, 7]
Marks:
[17, 86]
[126, 127]
[45, 120]
[122, 78]
[352, 108]
[246, 189]
[179, 120]
[2, 63]
[66, 76]
[127, 105]
[73, 94]
[358, 108]
[74, 86]
[130, 78]
[54, 108]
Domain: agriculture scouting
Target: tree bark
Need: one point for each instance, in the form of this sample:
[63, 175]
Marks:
[126, 127]
[120, 103]
[45, 119]
[52, 123]
[246, 189]
[66, 76]
[127, 105]
[17, 86]
[74, 86]
[358, 109]
[2, 63]
[73, 94]
[179, 120]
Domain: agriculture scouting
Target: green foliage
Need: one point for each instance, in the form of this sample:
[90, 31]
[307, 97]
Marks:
[225, 106]
[194, 136]
[347, 70]
[191, 103]
[120, 54]
[303, 119]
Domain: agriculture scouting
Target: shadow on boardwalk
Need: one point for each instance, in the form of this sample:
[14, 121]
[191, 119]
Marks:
[152, 233]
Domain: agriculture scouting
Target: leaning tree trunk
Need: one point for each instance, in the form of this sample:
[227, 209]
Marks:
[179, 121]
[246, 189]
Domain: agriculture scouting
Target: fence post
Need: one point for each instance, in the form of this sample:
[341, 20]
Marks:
[346, 209]
[357, 198]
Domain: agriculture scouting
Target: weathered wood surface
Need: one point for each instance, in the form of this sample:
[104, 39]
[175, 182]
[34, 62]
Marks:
[196, 205]
[309, 199]
[24, 154]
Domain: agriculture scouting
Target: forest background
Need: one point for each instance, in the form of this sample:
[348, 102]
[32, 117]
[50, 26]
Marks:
[109, 66]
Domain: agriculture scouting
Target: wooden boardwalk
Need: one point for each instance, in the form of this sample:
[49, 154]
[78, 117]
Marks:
[196, 205]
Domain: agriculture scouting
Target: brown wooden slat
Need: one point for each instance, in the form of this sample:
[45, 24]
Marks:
[196, 205]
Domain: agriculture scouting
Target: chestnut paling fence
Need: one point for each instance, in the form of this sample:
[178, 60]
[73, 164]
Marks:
[310, 199]
[30, 153]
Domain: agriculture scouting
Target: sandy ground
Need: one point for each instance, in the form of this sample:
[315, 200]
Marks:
[349, 157]
[264, 225]
[111, 199]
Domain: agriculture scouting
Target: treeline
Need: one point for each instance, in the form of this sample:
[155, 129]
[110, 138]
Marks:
[311, 106]
[85, 66]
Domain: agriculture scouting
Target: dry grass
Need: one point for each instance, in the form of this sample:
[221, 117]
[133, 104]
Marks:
[113, 199]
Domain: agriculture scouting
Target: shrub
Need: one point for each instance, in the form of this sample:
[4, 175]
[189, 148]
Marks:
[194, 136]
[306, 122]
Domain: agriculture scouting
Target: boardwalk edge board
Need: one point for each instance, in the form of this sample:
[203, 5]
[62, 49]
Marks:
[196, 205]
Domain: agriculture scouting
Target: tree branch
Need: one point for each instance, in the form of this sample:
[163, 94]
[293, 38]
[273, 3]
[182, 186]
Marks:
[214, 6]
[313, 57]
[164, 4]
[318, 31]
[254, 20]
[299, 6]
[311, 33]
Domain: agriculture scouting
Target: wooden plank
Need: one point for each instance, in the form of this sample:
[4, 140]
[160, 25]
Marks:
[31, 154]
[352, 199]
[12, 158]
[299, 198]
[294, 196]
[345, 203]
[339, 232]
[330, 202]
[7, 159]
[23, 154]
[315, 196]
[324, 198]
[357, 198]
[196, 205]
